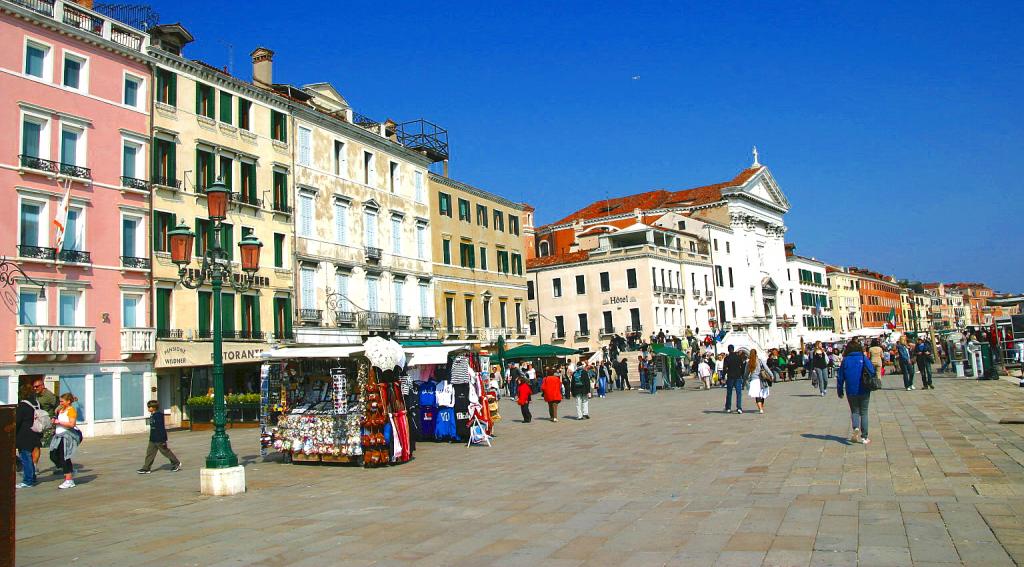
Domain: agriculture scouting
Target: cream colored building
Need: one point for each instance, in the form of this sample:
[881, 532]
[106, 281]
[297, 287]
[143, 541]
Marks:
[478, 256]
[844, 297]
[208, 125]
[362, 222]
[644, 277]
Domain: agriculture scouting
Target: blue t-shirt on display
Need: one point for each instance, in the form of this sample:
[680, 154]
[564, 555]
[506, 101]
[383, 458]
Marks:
[427, 393]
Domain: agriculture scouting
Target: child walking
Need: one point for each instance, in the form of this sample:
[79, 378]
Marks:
[158, 440]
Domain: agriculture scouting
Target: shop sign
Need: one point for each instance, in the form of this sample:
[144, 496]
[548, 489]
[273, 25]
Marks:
[617, 299]
[174, 354]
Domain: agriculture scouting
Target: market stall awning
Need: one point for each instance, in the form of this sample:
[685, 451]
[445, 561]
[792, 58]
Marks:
[311, 352]
[539, 351]
[430, 354]
[667, 350]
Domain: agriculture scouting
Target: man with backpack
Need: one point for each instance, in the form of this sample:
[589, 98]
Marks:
[30, 421]
[580, 388]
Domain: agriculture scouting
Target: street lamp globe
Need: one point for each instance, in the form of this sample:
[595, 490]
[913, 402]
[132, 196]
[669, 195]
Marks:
[250, 249]
[181, 240]
[217, 201]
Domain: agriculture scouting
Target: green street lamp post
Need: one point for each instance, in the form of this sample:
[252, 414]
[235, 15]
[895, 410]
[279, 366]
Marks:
[216, 267]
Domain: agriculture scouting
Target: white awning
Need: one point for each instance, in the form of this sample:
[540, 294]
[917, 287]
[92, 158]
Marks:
[430, 355]
[311, 352]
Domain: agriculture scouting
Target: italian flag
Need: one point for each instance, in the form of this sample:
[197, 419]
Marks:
[891, 322]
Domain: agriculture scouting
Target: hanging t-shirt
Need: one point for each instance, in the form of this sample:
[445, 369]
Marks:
[444, 429]
[462, 415]
[427, 394]
[460, 371]
[428, 421]
[445, 394]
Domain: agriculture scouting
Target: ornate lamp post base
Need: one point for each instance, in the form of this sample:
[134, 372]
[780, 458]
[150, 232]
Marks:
[222, 482]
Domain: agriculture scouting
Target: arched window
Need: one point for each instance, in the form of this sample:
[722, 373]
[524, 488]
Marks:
[545, 248]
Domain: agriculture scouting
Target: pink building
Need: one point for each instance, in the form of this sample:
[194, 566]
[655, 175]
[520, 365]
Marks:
[74, 97]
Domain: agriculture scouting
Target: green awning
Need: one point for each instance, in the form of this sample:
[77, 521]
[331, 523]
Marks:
[421, 343]
[538, 351]
[668, 351]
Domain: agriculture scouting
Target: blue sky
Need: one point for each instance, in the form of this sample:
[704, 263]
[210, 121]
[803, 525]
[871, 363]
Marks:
[895, 129]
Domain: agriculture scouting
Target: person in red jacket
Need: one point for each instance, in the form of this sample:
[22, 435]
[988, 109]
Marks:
[551, 387]
[524, 398]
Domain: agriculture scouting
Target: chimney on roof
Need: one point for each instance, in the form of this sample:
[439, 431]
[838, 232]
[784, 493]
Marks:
[262, 67]
[790, 248]
[84, 3]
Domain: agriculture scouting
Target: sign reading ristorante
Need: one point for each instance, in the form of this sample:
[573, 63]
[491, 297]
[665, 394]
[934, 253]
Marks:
[172, 354]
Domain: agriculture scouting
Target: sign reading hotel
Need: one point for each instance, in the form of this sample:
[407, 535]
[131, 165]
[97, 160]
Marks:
[617, 299]
[170, 355]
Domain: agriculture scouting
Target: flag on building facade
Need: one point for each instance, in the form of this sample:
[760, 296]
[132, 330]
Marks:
[891, 322]
[60, 220]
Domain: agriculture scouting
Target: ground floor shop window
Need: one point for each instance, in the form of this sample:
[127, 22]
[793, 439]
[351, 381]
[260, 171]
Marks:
[75, 384]
[102, 397]
[132, 402]
[3, 390]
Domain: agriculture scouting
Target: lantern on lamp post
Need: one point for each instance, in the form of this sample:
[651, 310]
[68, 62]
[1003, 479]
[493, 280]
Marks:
[215, 266]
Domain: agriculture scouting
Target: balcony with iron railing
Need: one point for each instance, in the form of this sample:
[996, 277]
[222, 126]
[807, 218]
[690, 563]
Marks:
[36, 252]
[378, 321]
[558, 336]
[284, 335]
[494, 333]
[74, 256]
[606, 331]
[582, 334]
[171, 334]
[87, 20]
[53, 341]
[453, 332]
[428, 323]
[135, 263]
[279, 207]
[311, 316]
[165, 181]
[373, 254]
[134, 183]
[137, 341]
[251, 335]
[248, 199]
[55, 167]
[403, 322]
[345, 318]
[631, 329]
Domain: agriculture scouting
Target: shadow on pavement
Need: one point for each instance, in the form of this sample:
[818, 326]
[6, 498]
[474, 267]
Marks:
[835, 438]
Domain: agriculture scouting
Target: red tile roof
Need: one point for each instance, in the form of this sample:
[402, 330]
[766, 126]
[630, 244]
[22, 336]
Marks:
[568, 258]
[658, 199]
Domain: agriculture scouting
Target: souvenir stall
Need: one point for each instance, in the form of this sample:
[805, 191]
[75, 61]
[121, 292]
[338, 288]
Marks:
[340, 404]
[452, 394]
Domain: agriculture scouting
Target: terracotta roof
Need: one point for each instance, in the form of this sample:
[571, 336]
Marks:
[658, 199]
[568, 258]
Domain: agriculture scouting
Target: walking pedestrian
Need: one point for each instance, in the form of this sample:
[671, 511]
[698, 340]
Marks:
[944, 356]
[924, 362]
[849, 382]
[641, 365]
[819, 364]
[525, 393]
[906, 367]
[28, 435]
[157, 440]
[551, 388]
[66, 438]
[733, 365]
[580, 389]
[602, 379]
[719, 375]
[757, 375]
[875, 354]
[704, 371]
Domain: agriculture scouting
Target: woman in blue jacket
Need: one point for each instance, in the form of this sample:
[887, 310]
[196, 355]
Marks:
[849, 382]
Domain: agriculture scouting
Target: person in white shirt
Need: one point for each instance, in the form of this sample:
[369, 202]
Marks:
[704, 372]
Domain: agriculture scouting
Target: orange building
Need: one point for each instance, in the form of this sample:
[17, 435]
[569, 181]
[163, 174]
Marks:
[879, 297]
[976, 295]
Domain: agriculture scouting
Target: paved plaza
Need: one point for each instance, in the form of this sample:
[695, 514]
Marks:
[663, 480]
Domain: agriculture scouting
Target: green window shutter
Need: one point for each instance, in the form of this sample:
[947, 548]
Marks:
[172, 160]
[199, 99]
[227, 240]
[199, 169]
[278, 318]
[256, 313]
[225, 107]
[278, 250]
[163, 309]
[288, 316]
[200, 227]
[204, 313]
[246, 310]
[173, 98]
[227, 308]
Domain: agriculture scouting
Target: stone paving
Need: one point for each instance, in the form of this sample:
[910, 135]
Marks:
[663, 480]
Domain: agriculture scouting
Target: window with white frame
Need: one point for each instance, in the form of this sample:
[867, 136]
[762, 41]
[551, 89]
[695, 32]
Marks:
[74, 229]
[75, 72]
[398, 290]
[70, 308]
[341, 281]
[305, 137]
[133, 163]
[393, 176]
[72, 145]
[424, 299]
[373, 293]
[370, 228]
[32, 221]
[420, 193]
[340, 159]
[305, 214]
[396, 235]
[133, 239]
[307, 292]
[133, 312]
[31, 307]
[369, 169]
[341, 209]
[38, 60]
[421, 241]
[134, 91]
[35, 137]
